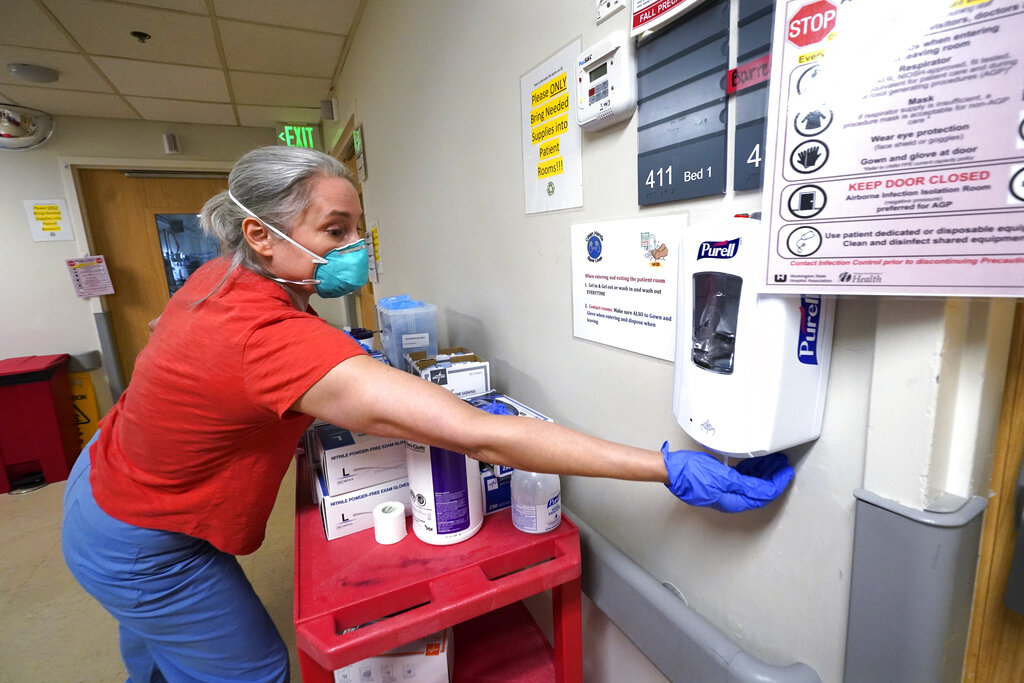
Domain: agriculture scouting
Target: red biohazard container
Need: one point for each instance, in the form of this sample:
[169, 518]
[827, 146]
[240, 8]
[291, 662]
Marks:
[355, 598]
[38, 435]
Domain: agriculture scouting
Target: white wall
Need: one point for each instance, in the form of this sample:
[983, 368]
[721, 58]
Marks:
[436, 89]
[41, 313]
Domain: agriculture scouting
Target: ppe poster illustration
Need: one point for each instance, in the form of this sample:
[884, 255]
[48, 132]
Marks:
[897, 169]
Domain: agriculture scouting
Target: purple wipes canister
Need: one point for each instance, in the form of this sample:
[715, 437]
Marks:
[445, 492]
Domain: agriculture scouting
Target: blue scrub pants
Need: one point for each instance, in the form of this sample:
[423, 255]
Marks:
[186, 610]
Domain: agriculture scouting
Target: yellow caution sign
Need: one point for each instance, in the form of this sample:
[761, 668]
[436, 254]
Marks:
[87, 411]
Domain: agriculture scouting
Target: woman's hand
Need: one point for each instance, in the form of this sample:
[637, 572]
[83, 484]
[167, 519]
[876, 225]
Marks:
[699, 479]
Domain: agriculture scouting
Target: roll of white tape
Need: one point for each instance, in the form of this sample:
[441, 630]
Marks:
[389, 522]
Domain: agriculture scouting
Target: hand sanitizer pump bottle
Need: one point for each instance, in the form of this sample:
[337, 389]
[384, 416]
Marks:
[536, 501]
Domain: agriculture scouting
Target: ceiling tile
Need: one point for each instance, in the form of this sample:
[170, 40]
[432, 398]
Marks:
[154, 109]
[74, 71]
[70, 103]
[103, 28]
[268, 117]
[164, 80]
[251, 47]
[288, 91]
[194, 6]
[25, 23]
[332, 16]
[279, 56]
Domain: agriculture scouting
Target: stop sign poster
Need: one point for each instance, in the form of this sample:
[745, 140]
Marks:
[895, 152]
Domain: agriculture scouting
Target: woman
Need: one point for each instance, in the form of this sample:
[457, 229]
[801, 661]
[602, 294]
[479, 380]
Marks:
[184, 470]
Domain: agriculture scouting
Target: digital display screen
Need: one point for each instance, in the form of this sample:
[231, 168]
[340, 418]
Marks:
[598, 72]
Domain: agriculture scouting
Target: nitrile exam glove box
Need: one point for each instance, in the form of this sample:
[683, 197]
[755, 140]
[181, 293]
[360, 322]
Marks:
[353, 511]
[497, 490]
[510, 407]
[455, 368]
[350, 461]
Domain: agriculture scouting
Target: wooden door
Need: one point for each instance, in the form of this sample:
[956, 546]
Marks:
[121, 213]
[995, 649]
[366, 303]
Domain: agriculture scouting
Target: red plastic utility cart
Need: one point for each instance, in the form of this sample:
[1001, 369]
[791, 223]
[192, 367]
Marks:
[398, 593]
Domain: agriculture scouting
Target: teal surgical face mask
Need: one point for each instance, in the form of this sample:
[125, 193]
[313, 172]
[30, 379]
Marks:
[339, 272]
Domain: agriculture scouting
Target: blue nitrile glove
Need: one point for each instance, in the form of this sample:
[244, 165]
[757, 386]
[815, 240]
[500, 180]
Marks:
[699, 479]
[494, 407]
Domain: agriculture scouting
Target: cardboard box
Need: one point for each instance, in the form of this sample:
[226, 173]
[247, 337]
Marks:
[351, 461]
[515, 408]
[444, 352]
[427, 660]
[351, 512]
[497, 491]
[510, 404]
[455, 368]
[307, 447]
[498, 470]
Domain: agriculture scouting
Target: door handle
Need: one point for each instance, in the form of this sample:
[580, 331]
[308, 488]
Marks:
[1014, 596]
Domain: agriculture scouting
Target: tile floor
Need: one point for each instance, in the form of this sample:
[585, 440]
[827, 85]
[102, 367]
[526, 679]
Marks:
[51, 630]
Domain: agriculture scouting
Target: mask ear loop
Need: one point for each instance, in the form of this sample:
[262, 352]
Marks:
[319, 260]
[316, 259]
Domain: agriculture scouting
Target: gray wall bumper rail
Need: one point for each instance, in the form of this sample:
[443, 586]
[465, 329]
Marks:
[679, 642]
[911, 589]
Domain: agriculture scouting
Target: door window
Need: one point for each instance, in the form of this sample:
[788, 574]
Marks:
[184, 246]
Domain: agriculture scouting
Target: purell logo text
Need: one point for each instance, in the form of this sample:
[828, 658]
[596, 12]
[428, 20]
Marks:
[718, 249]
[810, 322]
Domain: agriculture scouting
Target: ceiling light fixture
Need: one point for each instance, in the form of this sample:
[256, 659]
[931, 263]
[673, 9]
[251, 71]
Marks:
[140, 36]
[33, 73]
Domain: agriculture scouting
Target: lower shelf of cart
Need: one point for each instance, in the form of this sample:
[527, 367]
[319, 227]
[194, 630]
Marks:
[503, 646]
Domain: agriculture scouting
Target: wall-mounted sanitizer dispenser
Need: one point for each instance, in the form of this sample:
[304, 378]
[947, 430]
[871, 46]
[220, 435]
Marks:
[751, 369]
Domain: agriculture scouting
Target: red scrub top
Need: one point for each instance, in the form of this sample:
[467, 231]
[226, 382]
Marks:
[202, 437]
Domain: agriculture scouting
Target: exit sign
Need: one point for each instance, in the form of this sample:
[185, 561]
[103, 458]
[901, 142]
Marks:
[299, 135]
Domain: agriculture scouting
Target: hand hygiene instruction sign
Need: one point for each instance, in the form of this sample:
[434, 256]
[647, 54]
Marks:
[552, 161]
[624, 283]
[90, 276]
[896, 163]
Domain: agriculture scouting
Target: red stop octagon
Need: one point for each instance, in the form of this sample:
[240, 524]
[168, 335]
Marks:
[812, 23]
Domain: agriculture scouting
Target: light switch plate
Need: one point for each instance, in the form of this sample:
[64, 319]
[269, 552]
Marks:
[606, 8]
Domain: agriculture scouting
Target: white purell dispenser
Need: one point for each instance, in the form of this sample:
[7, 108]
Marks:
[751, 370]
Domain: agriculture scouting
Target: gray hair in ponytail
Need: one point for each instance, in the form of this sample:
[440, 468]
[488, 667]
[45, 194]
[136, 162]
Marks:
[275, 184]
